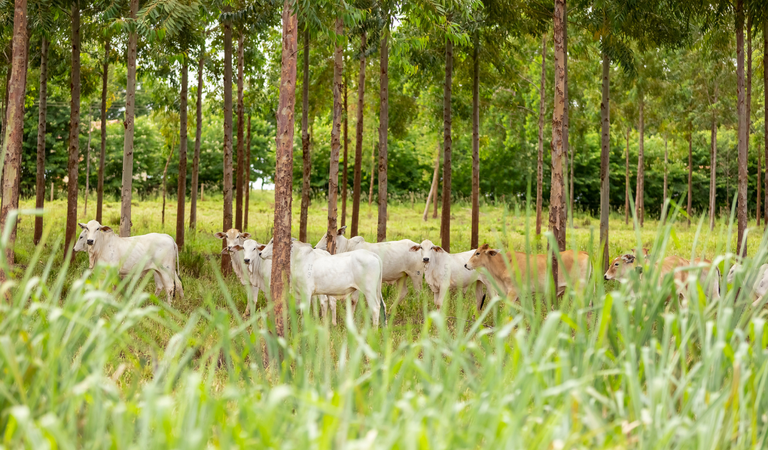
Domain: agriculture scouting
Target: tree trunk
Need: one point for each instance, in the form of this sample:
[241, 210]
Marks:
[247, 173]
[103, 152]
[475, 147]
[433, 187]
[306, 155]
[690, 173]
[181, 190]
[713, 169]
[381, 236]
[758, 210]
[198, 138]
[570, 186]
[346, 155]
[281, 259]
[445, 222]
[566, 116]
[626, 183]
[765, 121]
[640, 188]
[87, 166]
[359, 141]
[14, 130]
[741, 212]
[227, 222]
[557, 200]
[74, 134]
[130, 104]
[165, 173]
[333, 173]
[664, 196]
[540, 159]
[605, 153]
[373, 175]
[40, 185]
[437, 185]
[239, 177]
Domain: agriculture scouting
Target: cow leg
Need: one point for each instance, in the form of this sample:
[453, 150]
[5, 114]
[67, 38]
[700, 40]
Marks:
[251, 307]
[479, 295]
[402, 288]
[323, 300]
[440, 296]
[178, 287]
[167, 284]
[158, 283]
[353, 299]
[332, 301]
[374, 303]
[417, 281]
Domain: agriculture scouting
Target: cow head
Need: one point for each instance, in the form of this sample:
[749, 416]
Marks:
[80, 245]
[93, 231]
[233, 237]
[620, 266]
[250, 249]
[428, 251]
[482, 257]
[266, 252]
[341, 241]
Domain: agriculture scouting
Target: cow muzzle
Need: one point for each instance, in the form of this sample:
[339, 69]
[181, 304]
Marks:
[247, 261]
[90, 241]
[425, 259]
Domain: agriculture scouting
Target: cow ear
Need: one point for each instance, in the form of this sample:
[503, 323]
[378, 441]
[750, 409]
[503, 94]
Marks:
[105, 228]
[341, 231]
[224, 251]
[629, 259]
[83, 226]
[438, 249]
[261, 247]
[492, 252]
[237, 247]
[221, 235]
[245, 235]
[415, 248]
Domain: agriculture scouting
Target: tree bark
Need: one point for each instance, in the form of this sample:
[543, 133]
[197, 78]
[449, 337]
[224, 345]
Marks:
[239, 177]
[165, 173]
[626, 183]
[556, 203]
[87, 165]
[475, 148]
[433, 187]
[381, 236]
[14, 129]
[640, 188]
[713, 169]
[765, 121]
[605, 152]
[540, 159]
[74, 134]
[198, 138]
[741, 207]
[359, 140]
[103, 152]
[181, 190]
[130, 104]
[445, 222]
[437, 185]
[566, 116]
[41, 122]
[373, 174]
[247, 173]
[227, 222]
[346, 156]
[281, 259]
[664, 195]
[333, 173]
[306, 155]
[690, 173]
[758, 210]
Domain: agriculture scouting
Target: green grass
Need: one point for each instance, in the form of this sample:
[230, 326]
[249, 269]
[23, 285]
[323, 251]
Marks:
[89, 360]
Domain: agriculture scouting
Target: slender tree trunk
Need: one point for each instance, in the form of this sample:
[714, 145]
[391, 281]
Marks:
[626, 183]
[383, 133]
[437, 185]
[566, 118]
[690, 173]
[346, 156]
[181, 189]
[103, 152]
[41, 122]
[640, 188]
[605, 153]
[165, 177]
[556, 203]
[741, 211]
[130, 104]
[74, 134]
[666, 171]
[445, 222]
[373, 175]
[227, 222]
[198, 138]
[475, 147]
[240, 176]
[333, 173]
[359, 140]
[87, 166]
[570, 187]
[758, 210]
[765, 121]
[713, 169]
[433, 187]
[281, 259]
[540, 159]
[14, 129]
[247, 173]
[306, 155]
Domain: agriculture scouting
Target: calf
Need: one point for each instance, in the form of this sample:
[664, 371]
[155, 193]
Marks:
[400, 259]
[576, 266]
[444, 271]
[234, 237]
[154, 252]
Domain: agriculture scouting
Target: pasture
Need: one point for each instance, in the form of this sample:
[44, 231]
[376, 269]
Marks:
[93, 361]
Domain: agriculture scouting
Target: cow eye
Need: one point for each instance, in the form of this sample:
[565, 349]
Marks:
[477, 254]
[617, 264]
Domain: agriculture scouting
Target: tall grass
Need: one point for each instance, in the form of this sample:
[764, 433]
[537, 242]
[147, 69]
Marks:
[90, 360]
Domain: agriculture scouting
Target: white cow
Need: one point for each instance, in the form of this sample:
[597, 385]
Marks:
[314, 273]
[258, 270]
[154, 252]
[760, 286]
[234, 237]
[444, 271]
[401, 258]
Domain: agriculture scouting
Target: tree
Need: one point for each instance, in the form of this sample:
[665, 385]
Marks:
[605, 149]
[226, 23]
[741, 207]
[333, 176]
[103, 152]
[74, 133]
[346, 156]
[40, 185]
[557, 217]
[626, 183]
[14, 129]
[765, 115]
[130, 105]
[381, 235]
[240, 176]
[475, 146]
[281, 258]
[359, 139]
[640, 187]
[540, 158]
[181, 190]
[198, 137]
[445, 222]
[306, 156]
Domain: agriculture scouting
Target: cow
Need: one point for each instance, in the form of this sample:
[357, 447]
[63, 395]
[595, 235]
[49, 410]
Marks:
[258, 270]
[444, 271]
[677, 267]
[759, 287]
[399, 258]
[234, 237]
[154, 252]
[336, 275]
[576, 266]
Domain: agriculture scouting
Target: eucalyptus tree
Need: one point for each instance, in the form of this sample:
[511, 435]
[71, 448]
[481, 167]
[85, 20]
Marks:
[557, 217]
[743, 132]
[198, 136]
[74, 132]
[103, 149]
[333, 176]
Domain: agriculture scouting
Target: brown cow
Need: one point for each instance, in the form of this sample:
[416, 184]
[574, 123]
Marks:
[492, 261]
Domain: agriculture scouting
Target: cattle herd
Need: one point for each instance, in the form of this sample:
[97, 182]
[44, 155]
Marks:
[361, 267]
